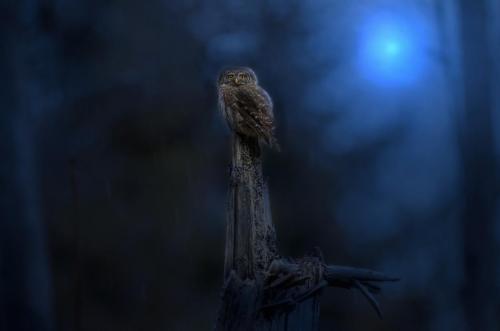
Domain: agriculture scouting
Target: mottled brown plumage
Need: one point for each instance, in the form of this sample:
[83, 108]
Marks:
[246, 106]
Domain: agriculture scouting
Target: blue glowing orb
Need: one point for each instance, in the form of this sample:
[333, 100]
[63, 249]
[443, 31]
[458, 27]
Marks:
[391, 50]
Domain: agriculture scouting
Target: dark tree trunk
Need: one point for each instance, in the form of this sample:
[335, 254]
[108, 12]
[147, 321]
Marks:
[479, 169]
[251, 239]
[250, 250]
[263, 291]
[24, 274]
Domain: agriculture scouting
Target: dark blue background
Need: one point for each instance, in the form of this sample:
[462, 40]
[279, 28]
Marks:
[113, 176]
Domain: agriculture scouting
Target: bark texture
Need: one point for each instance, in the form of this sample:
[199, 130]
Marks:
[251, 239]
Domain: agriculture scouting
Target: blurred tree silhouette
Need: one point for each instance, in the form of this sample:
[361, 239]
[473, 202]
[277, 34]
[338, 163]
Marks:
[480, 171]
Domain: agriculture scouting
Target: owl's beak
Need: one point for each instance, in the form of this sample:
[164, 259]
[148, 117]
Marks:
[237, 81]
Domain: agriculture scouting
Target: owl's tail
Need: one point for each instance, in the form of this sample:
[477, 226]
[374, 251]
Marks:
[272, 142]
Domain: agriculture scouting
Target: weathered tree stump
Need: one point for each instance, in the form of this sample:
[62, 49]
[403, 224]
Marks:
[262, 290]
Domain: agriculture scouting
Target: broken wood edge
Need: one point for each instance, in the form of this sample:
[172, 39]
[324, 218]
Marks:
[285, 274]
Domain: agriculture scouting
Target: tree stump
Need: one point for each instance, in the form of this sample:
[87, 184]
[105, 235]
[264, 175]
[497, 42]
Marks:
[262, 290]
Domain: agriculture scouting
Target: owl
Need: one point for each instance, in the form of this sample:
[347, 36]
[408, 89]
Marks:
[246, 106]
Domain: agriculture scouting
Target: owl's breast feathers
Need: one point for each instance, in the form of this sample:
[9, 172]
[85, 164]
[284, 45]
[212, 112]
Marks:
[248, 110]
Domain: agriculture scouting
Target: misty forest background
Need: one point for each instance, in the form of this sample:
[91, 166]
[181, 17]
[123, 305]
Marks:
[114, 160]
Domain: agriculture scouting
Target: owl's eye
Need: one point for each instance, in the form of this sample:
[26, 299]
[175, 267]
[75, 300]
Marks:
[230, 76]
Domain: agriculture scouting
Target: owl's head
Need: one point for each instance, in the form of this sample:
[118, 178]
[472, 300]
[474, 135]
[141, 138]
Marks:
[237, 76]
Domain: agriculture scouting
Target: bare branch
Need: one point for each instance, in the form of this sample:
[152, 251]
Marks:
[334, 274]
[369, 297]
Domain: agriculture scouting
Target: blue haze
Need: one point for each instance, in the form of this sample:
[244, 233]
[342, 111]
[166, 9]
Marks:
[367, 98]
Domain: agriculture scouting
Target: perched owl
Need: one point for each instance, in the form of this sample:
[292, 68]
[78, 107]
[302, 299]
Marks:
[246, 106]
